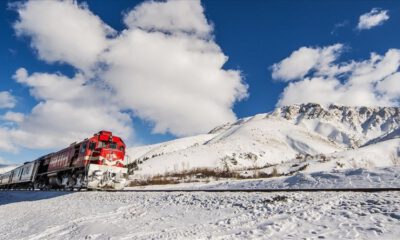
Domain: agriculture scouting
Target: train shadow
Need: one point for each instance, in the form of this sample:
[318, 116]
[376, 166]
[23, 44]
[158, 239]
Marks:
[8, 197]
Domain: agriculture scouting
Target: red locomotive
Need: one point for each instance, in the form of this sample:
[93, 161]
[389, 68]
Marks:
[94, 163]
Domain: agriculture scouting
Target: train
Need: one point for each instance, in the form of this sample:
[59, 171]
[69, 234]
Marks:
[94, 163]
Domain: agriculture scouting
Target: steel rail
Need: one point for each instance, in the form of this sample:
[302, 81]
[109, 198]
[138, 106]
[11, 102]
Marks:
[265, 190]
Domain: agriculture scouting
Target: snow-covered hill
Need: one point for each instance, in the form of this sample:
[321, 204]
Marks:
[320, 137]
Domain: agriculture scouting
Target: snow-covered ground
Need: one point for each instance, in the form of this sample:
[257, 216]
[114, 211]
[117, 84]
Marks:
[206, 215]
[107, 215]
[349, 178]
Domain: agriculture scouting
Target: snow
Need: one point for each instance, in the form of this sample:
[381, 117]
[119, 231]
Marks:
[347, 148]
[388, 177]
[380, 154]
[310, 146]
[350, 178]
[127, 215]
[349, 137]
[272, 141]
[170, 146]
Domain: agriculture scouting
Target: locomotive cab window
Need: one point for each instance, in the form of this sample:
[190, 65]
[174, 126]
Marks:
[113, 145]
[102, 144]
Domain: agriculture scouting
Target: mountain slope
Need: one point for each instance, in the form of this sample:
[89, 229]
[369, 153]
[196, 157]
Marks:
[286, 135]
[353, 126]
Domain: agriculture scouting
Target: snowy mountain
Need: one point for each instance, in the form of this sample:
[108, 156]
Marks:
[353, 126]
[309, 135]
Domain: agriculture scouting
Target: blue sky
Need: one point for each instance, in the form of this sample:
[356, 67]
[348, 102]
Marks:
[322, 41]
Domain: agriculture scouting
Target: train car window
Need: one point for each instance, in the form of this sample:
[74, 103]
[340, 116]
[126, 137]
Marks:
[121, 148]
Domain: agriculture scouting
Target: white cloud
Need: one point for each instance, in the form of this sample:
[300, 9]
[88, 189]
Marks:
[6, 143]
[164, 68]
[372, 82]
[69, 109]
[372, 19]
[4, 162]
[13, 117]
[7, 100]
[45, 86]
[338, 26]
[303, 60]
[172, 16]
[315, 90]
[390, 86]
[41, 129]
[175, 81]
[63, 31]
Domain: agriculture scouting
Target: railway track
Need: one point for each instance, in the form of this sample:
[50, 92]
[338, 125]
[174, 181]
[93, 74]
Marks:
[230, 190]
[267, 190]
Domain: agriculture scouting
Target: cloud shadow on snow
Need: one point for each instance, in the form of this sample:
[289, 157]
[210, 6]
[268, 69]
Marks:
[8, 197]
